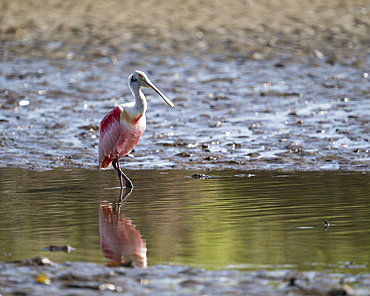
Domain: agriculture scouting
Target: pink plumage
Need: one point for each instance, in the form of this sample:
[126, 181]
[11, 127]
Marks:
[118, 136]
[122, 127]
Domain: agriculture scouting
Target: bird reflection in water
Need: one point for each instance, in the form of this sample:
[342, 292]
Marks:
[120, 242]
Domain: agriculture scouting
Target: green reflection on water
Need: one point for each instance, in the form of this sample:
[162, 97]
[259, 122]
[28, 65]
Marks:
[269, 220]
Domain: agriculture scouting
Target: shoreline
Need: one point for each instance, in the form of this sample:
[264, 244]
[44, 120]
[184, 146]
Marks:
[40, 276]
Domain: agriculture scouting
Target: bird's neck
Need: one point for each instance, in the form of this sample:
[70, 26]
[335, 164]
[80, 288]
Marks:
[140, 100]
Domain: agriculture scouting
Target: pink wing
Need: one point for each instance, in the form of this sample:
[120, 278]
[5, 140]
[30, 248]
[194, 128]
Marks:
[109, 133]
[118, 136]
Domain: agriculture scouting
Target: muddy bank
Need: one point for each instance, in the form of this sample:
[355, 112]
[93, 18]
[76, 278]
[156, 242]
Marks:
[40, 276]
[255, 86]
[293, 117]
[331, 30]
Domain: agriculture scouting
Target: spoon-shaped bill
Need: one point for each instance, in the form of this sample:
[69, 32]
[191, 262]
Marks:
[152, 86]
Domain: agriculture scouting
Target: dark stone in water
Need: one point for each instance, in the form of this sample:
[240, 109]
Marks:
[66, 248]
[200, 176]
[35, 261]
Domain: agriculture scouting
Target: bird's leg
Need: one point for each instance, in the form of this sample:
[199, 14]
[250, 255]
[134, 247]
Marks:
[121, 176]
[115, 164]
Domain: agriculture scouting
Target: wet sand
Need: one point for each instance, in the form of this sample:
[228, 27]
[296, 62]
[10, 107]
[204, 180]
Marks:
[40, 276]
[250, 29]
[257, 85]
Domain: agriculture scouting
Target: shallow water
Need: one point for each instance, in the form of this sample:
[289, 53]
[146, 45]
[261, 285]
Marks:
[258, 220]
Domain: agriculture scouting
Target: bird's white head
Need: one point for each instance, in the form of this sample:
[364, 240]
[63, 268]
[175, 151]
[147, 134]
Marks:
[141, 79]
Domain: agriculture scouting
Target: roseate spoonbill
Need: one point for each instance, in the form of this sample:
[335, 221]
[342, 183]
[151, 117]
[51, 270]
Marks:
[122, 127]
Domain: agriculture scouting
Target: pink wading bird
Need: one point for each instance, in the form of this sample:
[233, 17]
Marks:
[122, 127]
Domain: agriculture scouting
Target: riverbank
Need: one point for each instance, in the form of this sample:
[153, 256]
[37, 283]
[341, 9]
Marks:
[40, 276]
